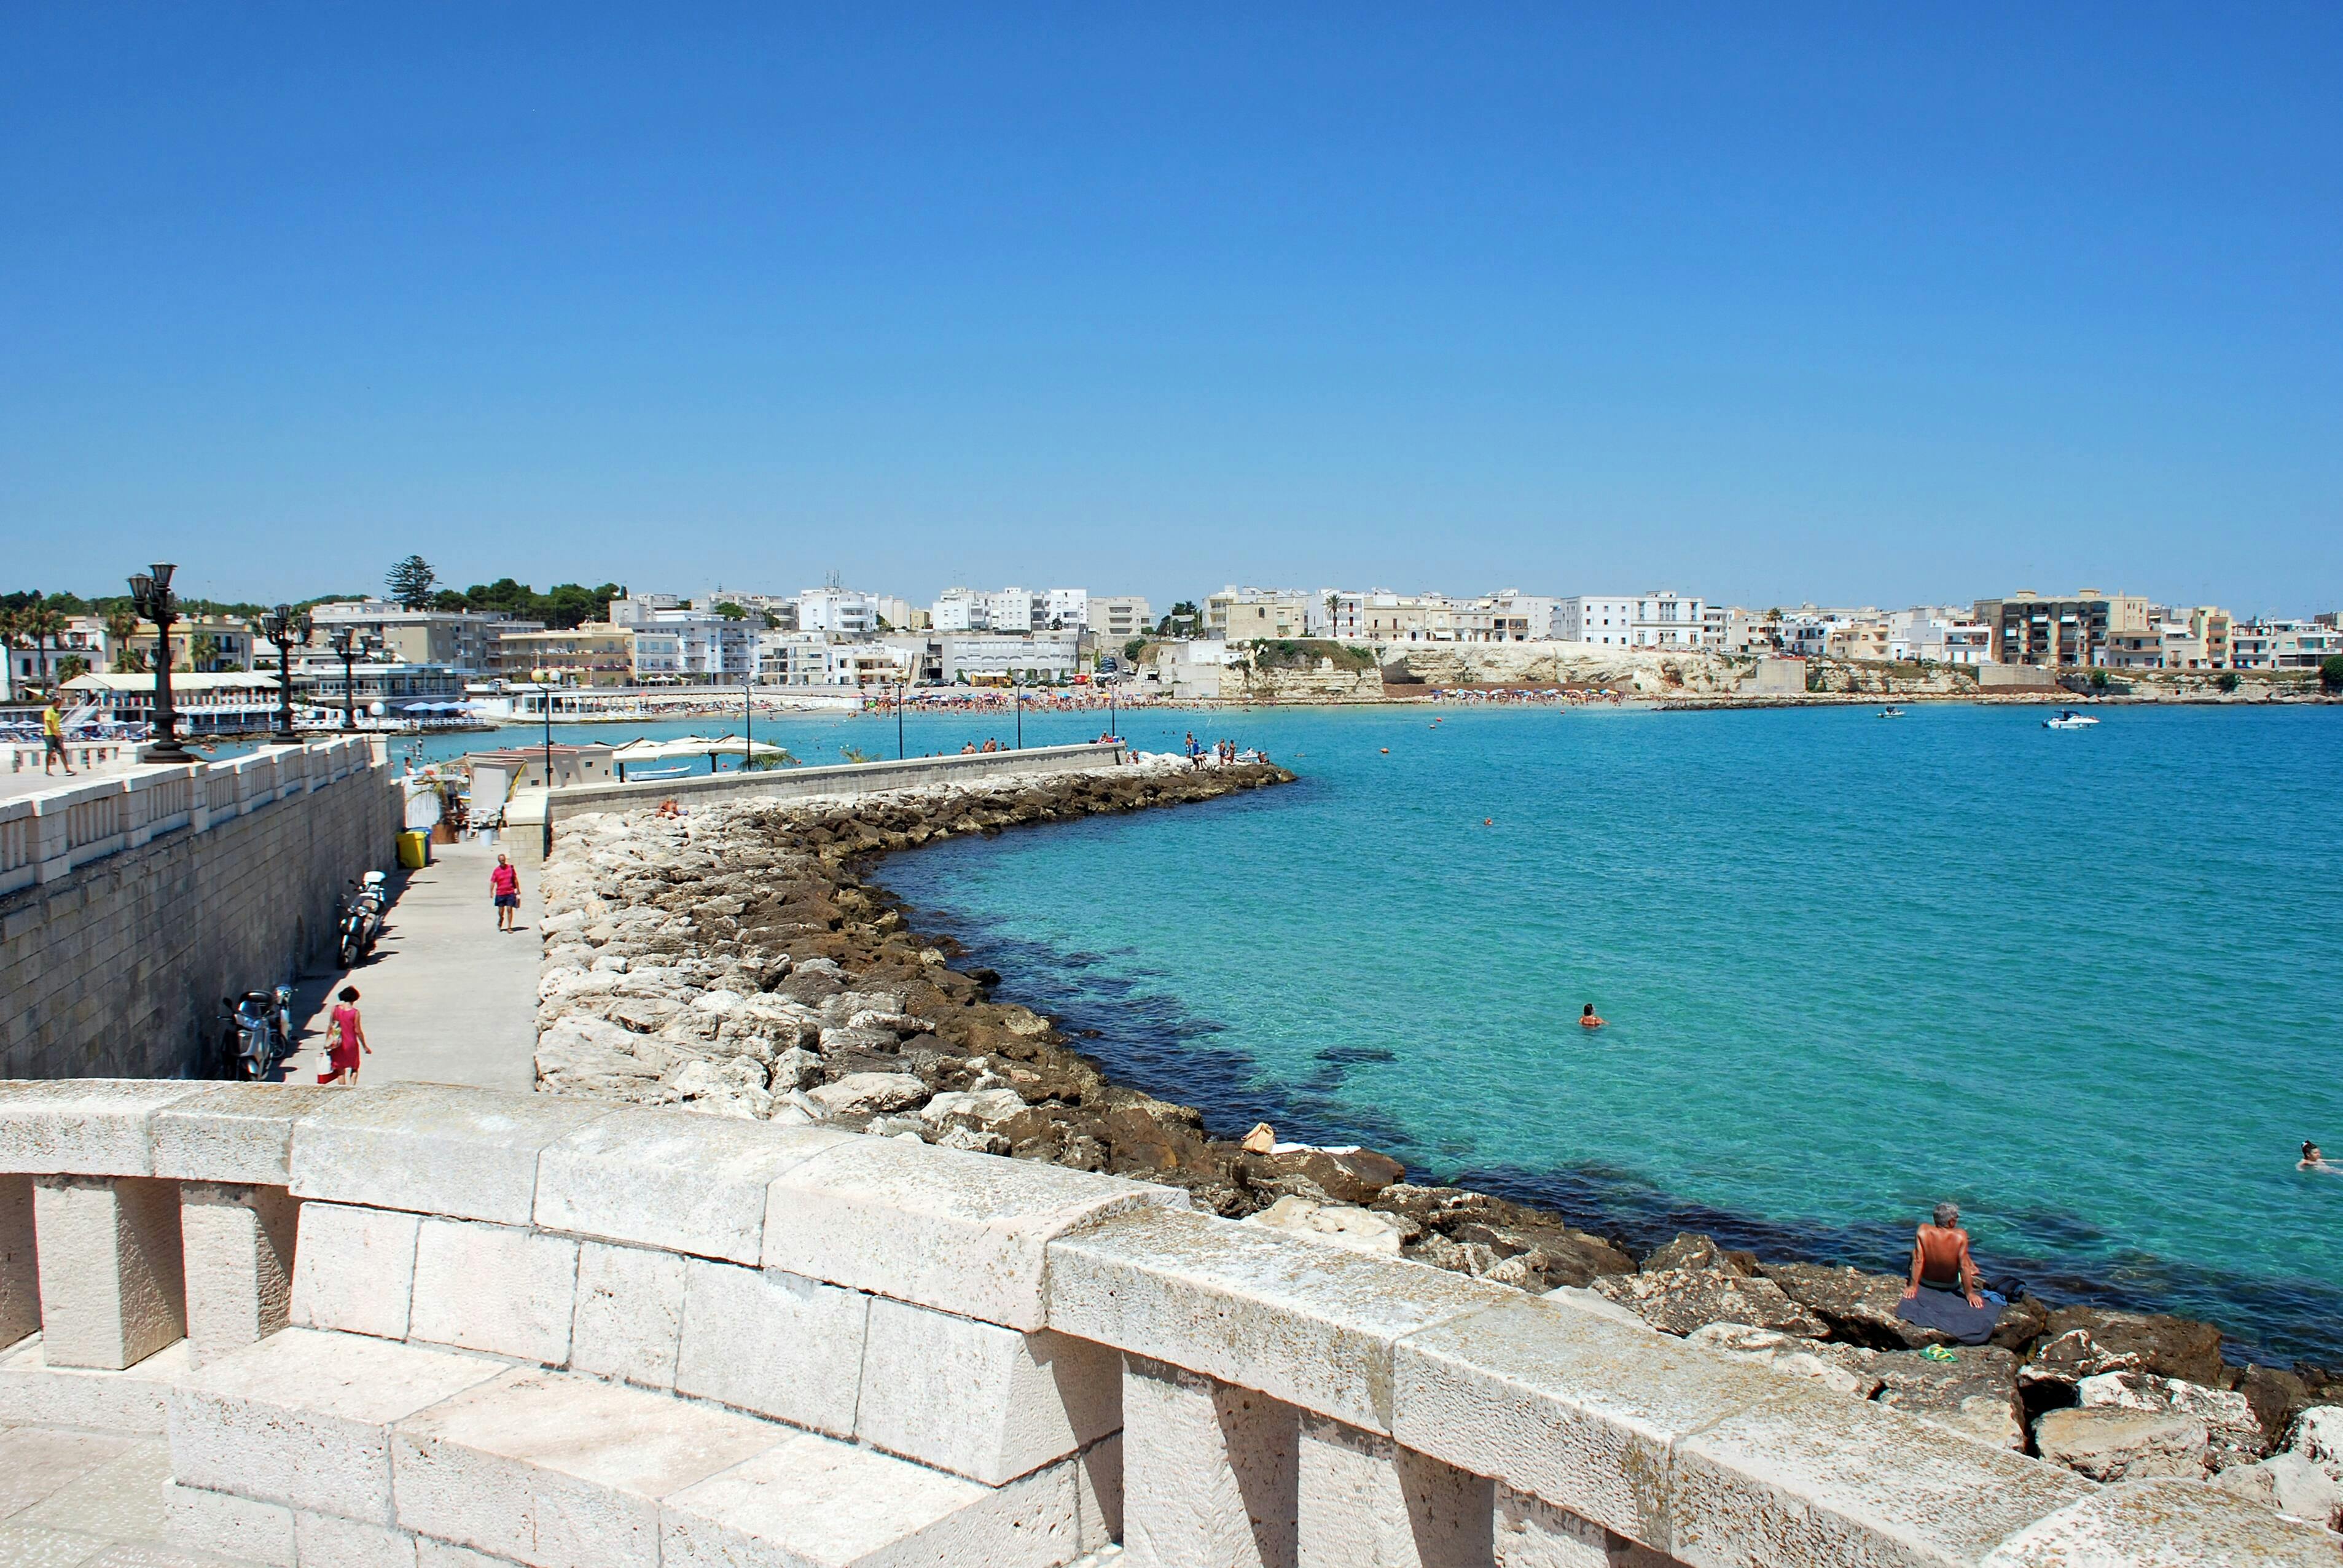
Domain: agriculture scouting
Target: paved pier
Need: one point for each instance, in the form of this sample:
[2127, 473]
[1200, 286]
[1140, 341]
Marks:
[86, 1500]
[446, 997]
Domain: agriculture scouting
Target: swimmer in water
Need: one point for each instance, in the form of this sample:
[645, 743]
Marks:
[1586, 1019]
[2312, 1160]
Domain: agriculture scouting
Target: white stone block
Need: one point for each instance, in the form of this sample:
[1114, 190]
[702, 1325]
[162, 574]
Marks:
[240, 1132]
[1310, 1325]
[1098, 1492]
[672, 1178]
[354, 1270]
[962, 1233]
[1363, 1503]
[429, 1554]
[434, 1148]
[1531, 1532]
[112, 1289]
[1812, 1474]
[810, 1502]
[236, 1243]
[132, 1401]
[83, 1126]
[2165, 1524]
[227, 1525]
[549, 1468]
[1209, 1470]
[773, 1343]
[20, 1273]
[629, 1319]
[495, 1287]
[323, 1540]
[979, 1399]
[304, 1418]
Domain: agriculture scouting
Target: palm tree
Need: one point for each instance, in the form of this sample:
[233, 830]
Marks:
[121, 631]
[12, 631]
[43, 626]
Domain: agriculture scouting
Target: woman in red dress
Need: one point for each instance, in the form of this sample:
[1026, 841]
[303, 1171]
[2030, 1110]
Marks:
[345, 1039]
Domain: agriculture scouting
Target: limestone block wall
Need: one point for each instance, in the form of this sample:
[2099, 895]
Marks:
[556, 1332]
[141, 901]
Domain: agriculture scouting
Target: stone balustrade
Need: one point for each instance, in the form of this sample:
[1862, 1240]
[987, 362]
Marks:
[434, 1325]
[17, 757]
[43, 837]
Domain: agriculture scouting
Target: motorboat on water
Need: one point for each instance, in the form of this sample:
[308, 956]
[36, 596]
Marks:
[1891, 711]
[2067, 719]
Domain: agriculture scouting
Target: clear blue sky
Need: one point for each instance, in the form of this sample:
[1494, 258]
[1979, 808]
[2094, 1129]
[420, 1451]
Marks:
[1769, 302]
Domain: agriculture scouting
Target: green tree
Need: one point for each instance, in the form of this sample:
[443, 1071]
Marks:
[2098, 680]
[2226, 681]
[1131, 649]
[410, 582]
[121, 635]
[73, 666]
[2330, 673]
[732, 612]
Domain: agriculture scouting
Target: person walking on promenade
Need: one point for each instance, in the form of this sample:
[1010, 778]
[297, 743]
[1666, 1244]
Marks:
[504, 885]
[53, 738]
[345, 1039]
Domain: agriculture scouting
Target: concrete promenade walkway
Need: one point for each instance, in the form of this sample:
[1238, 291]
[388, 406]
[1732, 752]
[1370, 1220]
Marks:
[446, 997]
[86, 1500]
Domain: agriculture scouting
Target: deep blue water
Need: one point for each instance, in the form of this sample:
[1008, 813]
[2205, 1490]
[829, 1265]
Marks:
[2086, 983]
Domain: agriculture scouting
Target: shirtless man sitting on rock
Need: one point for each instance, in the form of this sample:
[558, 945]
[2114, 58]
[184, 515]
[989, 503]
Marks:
[1944, 1293]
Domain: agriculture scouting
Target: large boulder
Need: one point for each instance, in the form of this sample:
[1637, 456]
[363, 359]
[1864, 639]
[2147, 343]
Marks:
[2233, 1430]
[1680, 1301]
[592, 1058]
[1975, 1394]
[1358, 1176]
[2304, 1479]
[2108, 1443]
[1847, 1368]
[870, 1094]
[2084, 1341]
[1558, 1254]
[734, 1088]
[1859, 1307]
[979, 1108]
[1343, 1225]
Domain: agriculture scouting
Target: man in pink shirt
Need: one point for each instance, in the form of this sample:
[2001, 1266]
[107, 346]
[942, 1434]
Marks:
[504, 882]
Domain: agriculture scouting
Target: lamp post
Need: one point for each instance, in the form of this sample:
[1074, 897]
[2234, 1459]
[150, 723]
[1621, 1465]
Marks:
[150, 591]
[285, 625]
[1017, 687]
[747, 723]
[545, 695]
[348, 644]
[899, 721]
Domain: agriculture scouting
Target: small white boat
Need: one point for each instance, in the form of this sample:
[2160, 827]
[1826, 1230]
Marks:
[2067, 719]
[1891, 711]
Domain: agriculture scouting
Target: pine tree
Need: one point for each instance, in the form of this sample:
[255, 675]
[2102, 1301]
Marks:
[410, 582]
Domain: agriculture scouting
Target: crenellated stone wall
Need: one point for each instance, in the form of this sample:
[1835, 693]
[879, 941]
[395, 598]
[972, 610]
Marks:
[138, 901]
[551, 1331]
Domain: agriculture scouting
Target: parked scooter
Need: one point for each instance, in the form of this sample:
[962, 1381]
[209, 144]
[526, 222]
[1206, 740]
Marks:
[257, 1031]
[362, 918]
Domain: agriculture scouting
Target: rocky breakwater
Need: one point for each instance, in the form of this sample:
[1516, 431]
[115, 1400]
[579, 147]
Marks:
[737, 961]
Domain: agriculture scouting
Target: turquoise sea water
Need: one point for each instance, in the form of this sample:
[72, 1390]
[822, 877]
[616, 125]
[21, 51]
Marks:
[2085, 983]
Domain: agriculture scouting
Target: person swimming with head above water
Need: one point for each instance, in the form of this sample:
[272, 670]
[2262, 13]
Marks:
[1586, 1019]
[2312, 1160]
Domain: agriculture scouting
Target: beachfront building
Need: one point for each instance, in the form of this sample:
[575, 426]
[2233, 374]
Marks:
[1116, 618]
[1863, 639]
[1379, 615]
[636, 608]
[938, 658]
[1653, 619]
[228, 702]
[2073, 630]
[824, 658]
[1192, 669]
[840, 611]
[468, 640]
[1746, 631]
[2283, 645]
[595, 654]
[1240, 614]
[897, 614]
[1939, 634]
[392, 684]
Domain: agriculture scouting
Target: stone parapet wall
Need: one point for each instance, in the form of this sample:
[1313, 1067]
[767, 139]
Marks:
[845, 779]
[130, 905]
[556, 1332]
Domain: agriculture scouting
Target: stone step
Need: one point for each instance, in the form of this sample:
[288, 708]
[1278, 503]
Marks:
[132, 1401]
[312, 1428]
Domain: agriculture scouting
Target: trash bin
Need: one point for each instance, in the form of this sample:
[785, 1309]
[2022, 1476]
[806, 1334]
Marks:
[415, 850]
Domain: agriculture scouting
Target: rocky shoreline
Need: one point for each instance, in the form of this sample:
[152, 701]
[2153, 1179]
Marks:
[737, 960]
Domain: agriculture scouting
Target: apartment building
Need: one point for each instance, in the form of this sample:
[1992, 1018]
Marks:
[1379, 615]
[2029, 627]
[2282, 645]
[1633, 620]
[1261, 607]
[1118, 617]
[468, 640]
[845, 612]
[595, 654]
[1938, 634]
[988, 658]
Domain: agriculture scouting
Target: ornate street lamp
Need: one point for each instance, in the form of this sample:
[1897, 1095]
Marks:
[150, 591]
[348, 644]
[285, 627]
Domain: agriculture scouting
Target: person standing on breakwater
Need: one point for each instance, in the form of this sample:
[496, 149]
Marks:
[1945, 1294]
[504, 885]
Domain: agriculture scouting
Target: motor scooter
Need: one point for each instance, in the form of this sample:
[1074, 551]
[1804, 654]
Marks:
[257, 1031]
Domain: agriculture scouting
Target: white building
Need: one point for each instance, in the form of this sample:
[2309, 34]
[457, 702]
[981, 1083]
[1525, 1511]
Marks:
[1939, 634]
[636, 608]
[1252, 609]
[844, 611]
[1069, 610]
[1622, 620]
[957, 610]
[900, 614]
[1115, 620]
[823, 658]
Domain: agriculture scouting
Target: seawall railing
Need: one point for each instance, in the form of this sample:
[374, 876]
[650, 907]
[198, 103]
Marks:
[560, 1330]
[44, 836]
